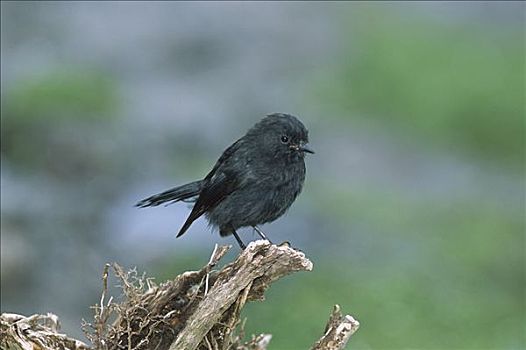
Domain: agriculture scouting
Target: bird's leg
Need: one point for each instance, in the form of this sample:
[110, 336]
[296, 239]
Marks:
[239, 241]
[261, 234]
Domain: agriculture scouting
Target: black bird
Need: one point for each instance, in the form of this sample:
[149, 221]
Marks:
[254, 181]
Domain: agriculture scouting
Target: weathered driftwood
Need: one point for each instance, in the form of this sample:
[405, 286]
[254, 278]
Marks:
[18, 332]
[245, 279]
[196, 310]
[337, 332]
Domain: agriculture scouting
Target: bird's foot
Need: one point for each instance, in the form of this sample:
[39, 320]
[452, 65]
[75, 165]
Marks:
[261, 234]
[284, 244]
[239, 241]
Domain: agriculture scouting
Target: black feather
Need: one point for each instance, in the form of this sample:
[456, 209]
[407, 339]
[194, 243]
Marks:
[172, 195]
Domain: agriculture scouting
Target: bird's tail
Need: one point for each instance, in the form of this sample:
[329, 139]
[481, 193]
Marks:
[175, 194]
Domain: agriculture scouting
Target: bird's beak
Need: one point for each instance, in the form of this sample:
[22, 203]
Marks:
[305, 148]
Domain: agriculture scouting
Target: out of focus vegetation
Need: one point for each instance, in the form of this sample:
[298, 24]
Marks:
[460, 86]
[429, 275]
[41, 112]
[62, 94]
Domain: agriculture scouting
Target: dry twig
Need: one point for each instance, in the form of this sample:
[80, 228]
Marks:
[337, 332]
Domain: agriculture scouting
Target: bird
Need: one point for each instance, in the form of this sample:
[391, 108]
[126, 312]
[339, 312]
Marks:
[254, 181]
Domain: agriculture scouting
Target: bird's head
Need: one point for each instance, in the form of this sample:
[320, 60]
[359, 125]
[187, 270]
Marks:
[282, 136]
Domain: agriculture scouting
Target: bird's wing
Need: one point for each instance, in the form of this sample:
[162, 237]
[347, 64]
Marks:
[219, 183]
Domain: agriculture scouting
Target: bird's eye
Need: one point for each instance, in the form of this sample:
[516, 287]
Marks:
[284, 139]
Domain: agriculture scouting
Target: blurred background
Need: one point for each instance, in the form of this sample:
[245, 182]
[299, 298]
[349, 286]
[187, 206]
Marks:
[413, 209]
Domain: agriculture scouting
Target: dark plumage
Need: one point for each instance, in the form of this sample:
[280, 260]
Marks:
[254, 181]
